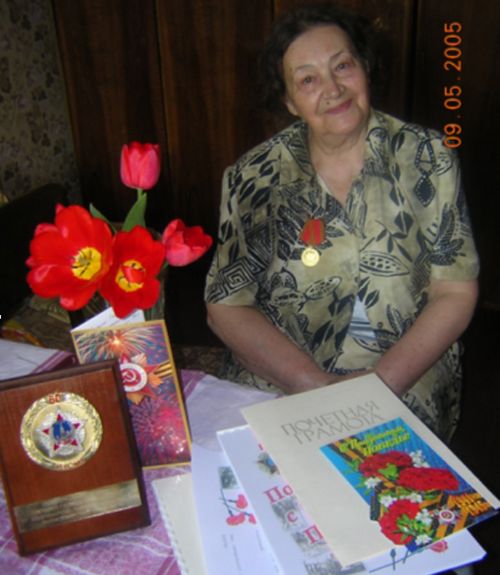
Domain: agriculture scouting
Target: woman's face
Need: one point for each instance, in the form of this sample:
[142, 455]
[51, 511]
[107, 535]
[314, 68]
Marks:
[326, 84]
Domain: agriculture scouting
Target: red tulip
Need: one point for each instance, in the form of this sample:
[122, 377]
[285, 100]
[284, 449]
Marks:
[140, 165]
[184, 245]
[69, 259]
[131, 282]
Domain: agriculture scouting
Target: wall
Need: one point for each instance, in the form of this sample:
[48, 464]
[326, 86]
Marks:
[35, 138]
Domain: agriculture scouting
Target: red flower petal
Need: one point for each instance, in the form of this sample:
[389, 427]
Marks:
[77, 300]
[131, 282]
[184, 245]
[70, 258]
[140, 165]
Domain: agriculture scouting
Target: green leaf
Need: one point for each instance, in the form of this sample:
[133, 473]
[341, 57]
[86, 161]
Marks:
[97, 214]
[135, 217]
[390, 471]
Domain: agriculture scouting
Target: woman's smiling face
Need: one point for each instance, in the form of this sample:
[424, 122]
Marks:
[326, 83]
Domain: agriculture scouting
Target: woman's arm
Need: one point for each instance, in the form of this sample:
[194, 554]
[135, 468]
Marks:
[442, 321]
[264, 350]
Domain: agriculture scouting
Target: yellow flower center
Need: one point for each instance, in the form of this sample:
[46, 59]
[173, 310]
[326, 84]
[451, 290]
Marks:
[130, 276]
[87, 263]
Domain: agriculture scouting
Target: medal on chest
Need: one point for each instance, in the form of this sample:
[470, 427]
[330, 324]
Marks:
[313, 234]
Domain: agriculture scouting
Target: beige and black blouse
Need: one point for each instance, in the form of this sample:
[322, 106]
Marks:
[405, 222]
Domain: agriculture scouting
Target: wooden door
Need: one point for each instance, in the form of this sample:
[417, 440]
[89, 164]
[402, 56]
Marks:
[110, 56]
[183, 73]
[208, 52]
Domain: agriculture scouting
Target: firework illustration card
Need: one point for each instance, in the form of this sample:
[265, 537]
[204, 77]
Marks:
[151, 385]
[413, 494]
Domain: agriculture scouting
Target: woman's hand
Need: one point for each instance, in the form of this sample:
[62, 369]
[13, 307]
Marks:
[442, 321]
[264, 350]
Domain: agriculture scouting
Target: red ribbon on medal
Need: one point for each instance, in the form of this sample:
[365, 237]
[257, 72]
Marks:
[313, 232]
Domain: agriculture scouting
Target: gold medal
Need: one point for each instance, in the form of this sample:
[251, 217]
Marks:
[310, 257]
[61, 431]
[312, 234]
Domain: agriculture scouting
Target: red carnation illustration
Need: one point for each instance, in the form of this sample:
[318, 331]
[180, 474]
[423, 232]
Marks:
[427, 479]
[396, 523]
[385, 464]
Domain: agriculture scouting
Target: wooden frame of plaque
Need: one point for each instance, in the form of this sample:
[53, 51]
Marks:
[68, 457]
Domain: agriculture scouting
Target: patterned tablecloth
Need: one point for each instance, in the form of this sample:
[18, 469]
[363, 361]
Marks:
[145, 551]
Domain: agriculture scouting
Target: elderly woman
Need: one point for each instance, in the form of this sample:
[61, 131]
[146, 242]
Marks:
[344, 241]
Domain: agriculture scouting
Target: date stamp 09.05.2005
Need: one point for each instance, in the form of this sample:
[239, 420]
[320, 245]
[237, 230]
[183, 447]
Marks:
[452, 92]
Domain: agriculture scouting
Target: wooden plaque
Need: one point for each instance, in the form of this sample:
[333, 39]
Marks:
[68, 457]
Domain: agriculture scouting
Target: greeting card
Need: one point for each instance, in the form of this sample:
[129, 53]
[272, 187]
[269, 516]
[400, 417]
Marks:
[413, 494]
[151, 384]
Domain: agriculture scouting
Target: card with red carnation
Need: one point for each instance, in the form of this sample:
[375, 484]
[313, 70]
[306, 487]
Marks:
[151, 384]
[413, 494]
[399, 485]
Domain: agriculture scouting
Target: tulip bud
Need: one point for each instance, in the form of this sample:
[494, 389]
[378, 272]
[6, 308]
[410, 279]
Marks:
[183, 244]
[140, 165]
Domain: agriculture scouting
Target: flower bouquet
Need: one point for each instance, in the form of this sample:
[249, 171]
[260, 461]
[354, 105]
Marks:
[82, 256]
[409, 498]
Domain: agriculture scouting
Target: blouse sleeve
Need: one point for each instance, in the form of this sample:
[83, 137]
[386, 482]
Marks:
[440, 201]
[454, 256]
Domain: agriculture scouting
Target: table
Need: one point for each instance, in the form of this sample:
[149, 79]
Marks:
[145, 551]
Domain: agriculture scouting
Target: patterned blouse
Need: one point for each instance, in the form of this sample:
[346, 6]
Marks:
[405, 222]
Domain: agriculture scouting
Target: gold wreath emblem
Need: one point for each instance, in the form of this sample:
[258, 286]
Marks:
[61, 431]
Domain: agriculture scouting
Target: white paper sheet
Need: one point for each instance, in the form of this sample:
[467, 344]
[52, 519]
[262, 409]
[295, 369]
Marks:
[18, 359]
[176, 502]
[107, 318]
[215, 404]
[233, 543]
